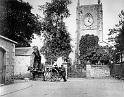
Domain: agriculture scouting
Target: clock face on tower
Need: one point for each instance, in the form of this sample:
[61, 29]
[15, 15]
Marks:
[88, 19]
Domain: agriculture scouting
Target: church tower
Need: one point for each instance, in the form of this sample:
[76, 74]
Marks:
[89, 21]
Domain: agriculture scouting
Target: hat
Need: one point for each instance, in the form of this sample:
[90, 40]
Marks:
[35, 47]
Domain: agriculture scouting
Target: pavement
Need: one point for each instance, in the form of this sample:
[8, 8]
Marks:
[12, 88]
[74, 87]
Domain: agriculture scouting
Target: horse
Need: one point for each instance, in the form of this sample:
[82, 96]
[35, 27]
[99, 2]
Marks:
[36, 72]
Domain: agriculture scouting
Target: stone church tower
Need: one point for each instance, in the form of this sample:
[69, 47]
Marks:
[89, 21]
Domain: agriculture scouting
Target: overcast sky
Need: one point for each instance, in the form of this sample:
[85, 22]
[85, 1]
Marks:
[111, 9]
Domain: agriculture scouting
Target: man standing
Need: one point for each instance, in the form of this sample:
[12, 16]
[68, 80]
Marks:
[63, 73]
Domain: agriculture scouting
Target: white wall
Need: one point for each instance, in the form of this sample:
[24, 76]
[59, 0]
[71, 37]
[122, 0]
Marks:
[21, 64]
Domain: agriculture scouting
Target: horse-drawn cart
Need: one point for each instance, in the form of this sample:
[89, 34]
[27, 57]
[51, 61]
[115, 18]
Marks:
[48, 73]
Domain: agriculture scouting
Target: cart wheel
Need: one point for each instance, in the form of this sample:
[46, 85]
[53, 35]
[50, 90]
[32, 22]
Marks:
[59, 77]
[53, 77]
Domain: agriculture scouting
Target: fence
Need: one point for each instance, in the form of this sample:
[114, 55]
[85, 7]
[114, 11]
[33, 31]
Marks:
[117, 70]
[74, 72]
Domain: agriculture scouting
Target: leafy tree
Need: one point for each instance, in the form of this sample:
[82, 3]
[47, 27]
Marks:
[87, 46]
[103, 55]
[20, 23]
[87, 43]
[117, 35]
[90, 50]
[57, 38]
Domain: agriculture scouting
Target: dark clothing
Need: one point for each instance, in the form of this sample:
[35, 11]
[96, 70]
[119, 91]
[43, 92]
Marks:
[63, 73]
[37, 60]
[64, 78]
[34, 75]
[37, 56]
[56, 68]
[37, 66]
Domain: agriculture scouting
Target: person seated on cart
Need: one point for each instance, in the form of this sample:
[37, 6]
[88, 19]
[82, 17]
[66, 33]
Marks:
[63, 73]
[55, 69]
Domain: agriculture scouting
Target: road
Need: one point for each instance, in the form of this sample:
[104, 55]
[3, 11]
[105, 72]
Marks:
[72, 88]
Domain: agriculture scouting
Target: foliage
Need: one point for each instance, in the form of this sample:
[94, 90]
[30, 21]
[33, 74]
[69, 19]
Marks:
[90, 50]
[20, 23]
[118, 32]
[87, 43]
[57, 39]
[111, 52]
[99, 54]
[104, 54]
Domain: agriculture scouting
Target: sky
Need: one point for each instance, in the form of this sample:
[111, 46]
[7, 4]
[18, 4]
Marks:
[111, 9]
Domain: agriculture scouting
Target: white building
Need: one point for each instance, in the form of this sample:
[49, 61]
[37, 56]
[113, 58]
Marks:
[23, 59]
[7, 55]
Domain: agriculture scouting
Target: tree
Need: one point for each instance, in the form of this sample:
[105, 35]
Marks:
[87, 47]
[92, 51]
[20, 23]
[118, 32]
[57, 38]
[87, 43]
[103, 55]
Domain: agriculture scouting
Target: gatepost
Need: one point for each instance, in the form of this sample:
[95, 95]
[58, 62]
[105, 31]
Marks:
[88, 69]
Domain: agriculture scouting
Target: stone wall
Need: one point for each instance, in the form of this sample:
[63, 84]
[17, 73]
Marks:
[97, 71]
[8, 68]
